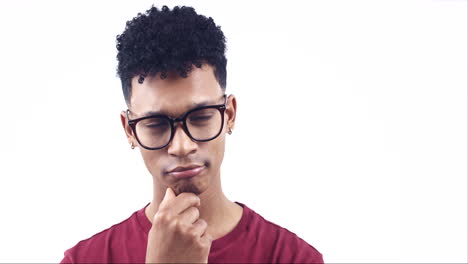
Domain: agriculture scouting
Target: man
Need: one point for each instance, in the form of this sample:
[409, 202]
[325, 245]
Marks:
[173, 70]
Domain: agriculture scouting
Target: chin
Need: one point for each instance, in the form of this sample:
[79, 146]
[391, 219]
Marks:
[186, 187]
[194, 185]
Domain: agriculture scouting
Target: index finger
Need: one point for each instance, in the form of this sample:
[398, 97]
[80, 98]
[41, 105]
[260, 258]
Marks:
[182, 202]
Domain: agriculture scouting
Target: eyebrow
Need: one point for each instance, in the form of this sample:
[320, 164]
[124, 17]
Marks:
[163, 112]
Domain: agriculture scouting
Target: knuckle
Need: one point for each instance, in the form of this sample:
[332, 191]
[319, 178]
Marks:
[202, 223]
[172, 226]
[180, 226]
[192, 234]
[206, 241]
[203, 244]
[175, 224]
[198, 228]
[195, 211]
[161, 218]
[191, 197]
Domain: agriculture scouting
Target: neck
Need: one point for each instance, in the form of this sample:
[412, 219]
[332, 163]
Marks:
[221, 214]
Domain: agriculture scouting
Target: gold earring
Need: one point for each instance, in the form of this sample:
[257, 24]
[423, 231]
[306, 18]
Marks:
[132, 146]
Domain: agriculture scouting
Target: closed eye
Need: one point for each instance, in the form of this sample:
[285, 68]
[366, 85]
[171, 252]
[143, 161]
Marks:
[200, 118]
[156, 125]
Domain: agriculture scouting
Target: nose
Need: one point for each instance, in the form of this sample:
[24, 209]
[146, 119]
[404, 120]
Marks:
[181, 144]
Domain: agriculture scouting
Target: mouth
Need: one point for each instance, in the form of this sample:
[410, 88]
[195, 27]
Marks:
[186, 172]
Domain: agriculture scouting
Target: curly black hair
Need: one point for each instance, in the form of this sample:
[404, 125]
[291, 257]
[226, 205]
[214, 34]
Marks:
[161, 41]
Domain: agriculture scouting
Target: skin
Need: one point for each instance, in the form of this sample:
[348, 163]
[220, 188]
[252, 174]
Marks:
[175, 95]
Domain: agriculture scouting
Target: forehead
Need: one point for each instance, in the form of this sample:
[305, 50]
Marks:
[175, 95]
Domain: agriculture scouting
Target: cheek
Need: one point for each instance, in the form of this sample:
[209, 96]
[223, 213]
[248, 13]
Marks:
[217, 151]
[153, 161]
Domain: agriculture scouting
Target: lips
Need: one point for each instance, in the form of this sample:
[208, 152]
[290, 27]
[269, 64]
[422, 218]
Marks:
[187, 171]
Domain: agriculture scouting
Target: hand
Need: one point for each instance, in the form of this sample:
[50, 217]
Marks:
[177, 234]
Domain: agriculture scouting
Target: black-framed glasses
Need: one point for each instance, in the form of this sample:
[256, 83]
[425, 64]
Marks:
[200, 124]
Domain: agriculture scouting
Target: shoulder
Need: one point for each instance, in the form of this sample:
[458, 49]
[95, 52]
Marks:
[96, 247]
[285, 244]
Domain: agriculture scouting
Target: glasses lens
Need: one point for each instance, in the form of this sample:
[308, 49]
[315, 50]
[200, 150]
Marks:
[205, 123]
[154, 132]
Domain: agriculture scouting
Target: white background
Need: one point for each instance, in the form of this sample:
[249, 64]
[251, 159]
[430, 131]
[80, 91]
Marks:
[351, 129]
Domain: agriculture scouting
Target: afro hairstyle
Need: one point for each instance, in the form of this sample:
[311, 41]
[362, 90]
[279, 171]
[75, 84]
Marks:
[164, 40]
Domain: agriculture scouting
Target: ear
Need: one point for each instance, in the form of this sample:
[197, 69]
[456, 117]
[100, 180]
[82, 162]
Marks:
[231, 109]
[127, 128]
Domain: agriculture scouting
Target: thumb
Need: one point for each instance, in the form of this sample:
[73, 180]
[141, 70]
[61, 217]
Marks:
[169, 195]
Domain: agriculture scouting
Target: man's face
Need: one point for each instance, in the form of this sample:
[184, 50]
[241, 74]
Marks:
[173, 96]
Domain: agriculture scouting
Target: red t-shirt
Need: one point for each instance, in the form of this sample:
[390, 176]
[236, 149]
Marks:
[254, 239]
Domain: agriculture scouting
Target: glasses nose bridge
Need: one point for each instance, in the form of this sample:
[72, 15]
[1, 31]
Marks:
[174, 125]
[178, 120]
[182, 145]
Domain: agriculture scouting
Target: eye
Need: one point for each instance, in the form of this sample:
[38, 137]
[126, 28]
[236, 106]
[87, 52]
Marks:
[154, 125]
[200, 118]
